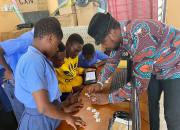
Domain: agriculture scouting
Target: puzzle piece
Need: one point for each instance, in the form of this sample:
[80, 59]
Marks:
[98, 120]
[93, 110]
[95, 116]
[89, 108]
[97, 113]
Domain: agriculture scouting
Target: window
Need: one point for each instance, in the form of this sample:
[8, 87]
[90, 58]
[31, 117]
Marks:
[161, 10]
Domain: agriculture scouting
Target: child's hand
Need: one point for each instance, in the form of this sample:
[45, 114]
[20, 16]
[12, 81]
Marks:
[73, 108]
[72, 103]
[77, 90]
[72, 98]
[75, 121]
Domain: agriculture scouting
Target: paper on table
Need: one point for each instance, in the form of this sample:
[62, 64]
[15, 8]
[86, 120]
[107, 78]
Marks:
[121, 124]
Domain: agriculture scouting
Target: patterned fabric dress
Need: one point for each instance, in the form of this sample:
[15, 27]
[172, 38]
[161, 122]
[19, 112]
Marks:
[155, 49]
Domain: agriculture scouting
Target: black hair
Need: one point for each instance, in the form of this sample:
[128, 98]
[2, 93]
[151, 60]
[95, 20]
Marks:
[88, 49]
[113, 24]
[74, 39]
[61, 47]
[47, 26]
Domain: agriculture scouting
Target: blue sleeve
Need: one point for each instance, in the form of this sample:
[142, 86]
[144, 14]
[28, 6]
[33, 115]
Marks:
[80, 60]
[35, 74]
[19, 44]
[101, 55]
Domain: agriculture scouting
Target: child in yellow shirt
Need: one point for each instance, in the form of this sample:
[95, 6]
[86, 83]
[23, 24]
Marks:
[69, 74]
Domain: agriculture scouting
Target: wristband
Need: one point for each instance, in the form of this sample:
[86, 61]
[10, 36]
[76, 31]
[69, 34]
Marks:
[100, 84]
[110, 98]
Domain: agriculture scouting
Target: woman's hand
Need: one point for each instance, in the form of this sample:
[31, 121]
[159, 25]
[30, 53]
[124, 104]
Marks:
[99, 98]
[72, 103]
[73, 108]
[94, 88]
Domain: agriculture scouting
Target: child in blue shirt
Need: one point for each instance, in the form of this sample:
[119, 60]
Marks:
[89, 56]
[10, 52]
[36, 85]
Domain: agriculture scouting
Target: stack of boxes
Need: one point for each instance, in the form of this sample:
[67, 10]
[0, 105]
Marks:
[84, 14]
[67, 16]
[77, 16]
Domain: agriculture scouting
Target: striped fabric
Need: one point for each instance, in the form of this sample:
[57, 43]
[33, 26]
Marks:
[133, 9]
[119, 79]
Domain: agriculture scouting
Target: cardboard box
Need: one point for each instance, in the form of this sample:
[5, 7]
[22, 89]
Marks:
[67, 20]
[12, 34]
[84, 14]
[67, 10]
[32, 5]
[8, 20]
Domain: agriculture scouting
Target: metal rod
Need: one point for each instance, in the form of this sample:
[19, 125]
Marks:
[136, 115]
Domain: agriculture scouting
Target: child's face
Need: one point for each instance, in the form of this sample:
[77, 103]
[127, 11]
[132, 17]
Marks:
[52, 47]
[58, 59]
[74, 50]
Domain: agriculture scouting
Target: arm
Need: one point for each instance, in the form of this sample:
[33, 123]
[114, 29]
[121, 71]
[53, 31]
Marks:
[47, 108]
[13, 46]
[37, 86]
[17, 45]
[142, 72]
[106, 72]
[110, 66]
[101, 55]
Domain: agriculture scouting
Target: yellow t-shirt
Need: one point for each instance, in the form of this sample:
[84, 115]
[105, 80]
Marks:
[68, 74]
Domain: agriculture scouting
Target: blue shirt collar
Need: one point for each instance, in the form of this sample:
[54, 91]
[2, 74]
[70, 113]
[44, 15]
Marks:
[33, 49]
